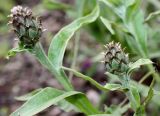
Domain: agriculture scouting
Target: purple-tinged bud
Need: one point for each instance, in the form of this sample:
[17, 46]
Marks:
[116, 61]
[26, 26]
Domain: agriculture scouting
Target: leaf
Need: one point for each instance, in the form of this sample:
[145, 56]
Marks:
[92, 81]
[39, 53]
[116, 6]
[138, 30]
[113, 87]
[152, 15]
[119, 6]
[134, 97]
[129, 11]
[50, 96]
[60, 40]
[108, 25]
[14, 51]
[112, 77]
[54, 4]
[150, 93]
[149, 97]
[28, 96]
[140, 111]
[138, 63]
[101, 115]
[63, 104]
[143, 89]
[114, 111]
[134, 21]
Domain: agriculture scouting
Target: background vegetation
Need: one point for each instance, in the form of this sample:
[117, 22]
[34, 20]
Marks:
[138, 34]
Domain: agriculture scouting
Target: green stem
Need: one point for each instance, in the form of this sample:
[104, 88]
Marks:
[39, 53]
[132, 93]
[145, 77]
[155, 74]
[141, 81]
[77, 38]
[87, 78]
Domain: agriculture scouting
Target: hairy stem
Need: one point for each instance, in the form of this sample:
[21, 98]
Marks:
[87, 78]
[39, 53]
[77, 39]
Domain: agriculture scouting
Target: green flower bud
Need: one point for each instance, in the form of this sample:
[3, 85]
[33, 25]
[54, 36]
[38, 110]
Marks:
[26, 26]
[116, 61]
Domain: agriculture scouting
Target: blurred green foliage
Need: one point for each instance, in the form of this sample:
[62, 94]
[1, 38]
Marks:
[5, 7]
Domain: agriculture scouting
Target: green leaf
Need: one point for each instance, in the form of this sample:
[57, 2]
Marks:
[152, 15]
[138, 30]
[39, 53]
[63, 104]
[149, 97]
[112, 77]
[28, 96]
[150, 93]
[119, 6]
[113, 87]
[134, 97]
[92, 81]
[54, 4]
[114, 110]
[140, 111]
[60, 41]
[50, 96]
[101, 115]
[138, 63]
[14, 51]
[132, 9]
[108, 25]
[133, 19]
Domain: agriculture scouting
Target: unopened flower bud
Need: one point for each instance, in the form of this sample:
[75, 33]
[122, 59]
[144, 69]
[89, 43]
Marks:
[26, 26]
[116, 61]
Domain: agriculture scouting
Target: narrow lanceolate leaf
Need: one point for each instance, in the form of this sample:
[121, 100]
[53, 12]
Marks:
[138, 63]
[134, 98]
[108, 25]
[129, 11]
[138, 30]
[51, 96]
[140, 111]
[28, 96]
[55, 4]
[43, 59]
[113, 87]
[152, 15]
[134, 21]
[63, 104]
[60, 41]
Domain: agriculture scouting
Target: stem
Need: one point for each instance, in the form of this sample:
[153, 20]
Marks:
[132, 93]
[43, 59]
[141, 81]
[87, 78]
[77, 39]
[155, 74]
[102, 99]
[145, 77]
[147, 99]
[123, 102]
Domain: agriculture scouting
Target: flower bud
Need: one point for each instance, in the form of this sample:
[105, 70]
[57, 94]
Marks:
[116, 61]
[26, 26]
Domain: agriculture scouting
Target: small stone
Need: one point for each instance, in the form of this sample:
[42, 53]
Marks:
[93, 96]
